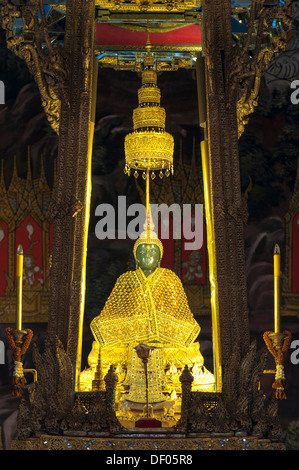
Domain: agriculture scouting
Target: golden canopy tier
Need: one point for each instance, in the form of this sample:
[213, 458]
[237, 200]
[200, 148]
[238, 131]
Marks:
[149, 117]
[149, 147]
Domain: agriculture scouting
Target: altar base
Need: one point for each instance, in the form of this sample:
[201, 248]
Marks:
[147, 440]
[148, 423]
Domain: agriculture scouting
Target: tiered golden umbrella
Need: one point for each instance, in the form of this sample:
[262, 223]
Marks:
[149, 148]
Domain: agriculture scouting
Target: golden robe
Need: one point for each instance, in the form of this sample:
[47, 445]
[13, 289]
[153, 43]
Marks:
[152, 310]
[144, 309]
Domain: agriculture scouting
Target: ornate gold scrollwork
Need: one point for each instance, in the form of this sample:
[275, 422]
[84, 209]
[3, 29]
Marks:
[245, 72]
[48, 69]
[146, 5]
[70, 208]
[249, 99]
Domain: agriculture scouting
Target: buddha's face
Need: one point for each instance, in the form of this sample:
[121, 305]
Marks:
[148, 256]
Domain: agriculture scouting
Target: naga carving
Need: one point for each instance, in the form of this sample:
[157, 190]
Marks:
[241, 408]
[246, 65]
[49, 406]
[48, 65]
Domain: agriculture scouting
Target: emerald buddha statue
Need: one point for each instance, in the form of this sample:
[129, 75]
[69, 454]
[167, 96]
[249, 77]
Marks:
[149, 306]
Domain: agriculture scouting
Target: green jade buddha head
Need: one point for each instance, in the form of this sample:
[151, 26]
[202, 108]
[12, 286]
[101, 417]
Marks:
[148, 257]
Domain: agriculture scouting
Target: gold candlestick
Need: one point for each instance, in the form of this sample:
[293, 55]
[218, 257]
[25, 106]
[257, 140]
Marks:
[144, 351]
[276, 259]
[19, 285]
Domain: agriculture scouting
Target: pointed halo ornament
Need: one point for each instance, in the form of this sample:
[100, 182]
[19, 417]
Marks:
[148, 235]
[149, 147]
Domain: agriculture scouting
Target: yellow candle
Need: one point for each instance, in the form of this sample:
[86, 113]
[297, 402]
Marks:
[19, 285]
[276, 260]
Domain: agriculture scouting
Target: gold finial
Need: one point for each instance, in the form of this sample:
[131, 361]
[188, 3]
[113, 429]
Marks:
[148, 42]
[149, 60]
[20, 250]
[276, 250]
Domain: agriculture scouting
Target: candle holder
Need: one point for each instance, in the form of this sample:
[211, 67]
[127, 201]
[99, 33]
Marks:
[278, 344]
[18, 341]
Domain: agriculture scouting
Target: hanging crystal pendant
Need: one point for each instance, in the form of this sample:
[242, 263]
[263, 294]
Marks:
[161, 174]
[153, 175]
[136, 174]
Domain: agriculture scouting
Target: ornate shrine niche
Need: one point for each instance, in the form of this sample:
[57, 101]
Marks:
[25, 220]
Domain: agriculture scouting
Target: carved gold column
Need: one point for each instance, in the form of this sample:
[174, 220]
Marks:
[73, 188]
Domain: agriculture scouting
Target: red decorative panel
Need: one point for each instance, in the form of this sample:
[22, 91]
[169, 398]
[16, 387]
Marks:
[110, 35]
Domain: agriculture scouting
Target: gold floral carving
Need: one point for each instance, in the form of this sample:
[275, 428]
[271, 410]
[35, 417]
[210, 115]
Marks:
[149, 5]
[149, 95]
[245, 72]
[149, 116]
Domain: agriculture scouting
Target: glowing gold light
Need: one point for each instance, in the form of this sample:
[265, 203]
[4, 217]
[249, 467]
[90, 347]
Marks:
[86, 223]
[212, 262]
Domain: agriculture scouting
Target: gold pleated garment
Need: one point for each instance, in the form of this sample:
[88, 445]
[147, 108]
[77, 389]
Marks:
[146, 309]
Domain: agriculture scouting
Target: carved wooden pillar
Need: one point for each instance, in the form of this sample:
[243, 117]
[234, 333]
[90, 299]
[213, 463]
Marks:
[71, 208]
[227, 210]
